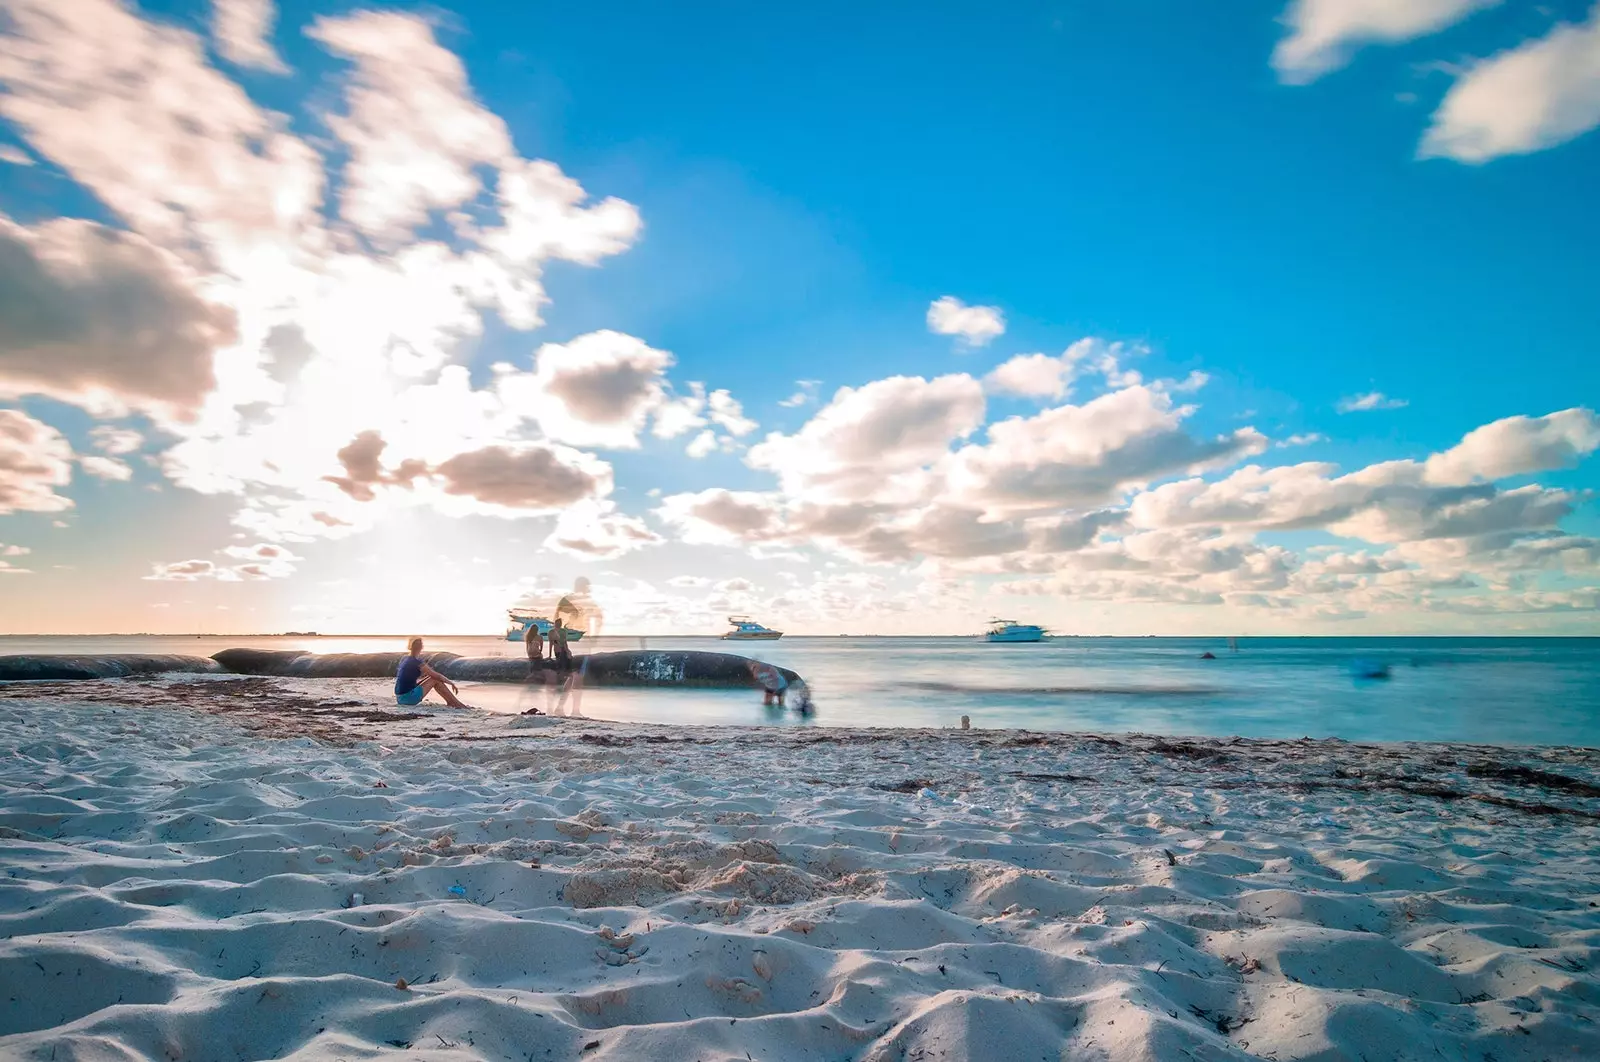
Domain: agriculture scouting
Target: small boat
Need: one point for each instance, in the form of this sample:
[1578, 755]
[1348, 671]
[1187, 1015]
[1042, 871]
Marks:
[523, 618]
[746, 629]
[1004, 630]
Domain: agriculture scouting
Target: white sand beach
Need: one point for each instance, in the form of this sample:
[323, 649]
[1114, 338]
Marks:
[252, 869]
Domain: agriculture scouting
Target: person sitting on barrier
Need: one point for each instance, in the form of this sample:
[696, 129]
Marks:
[415, 680]
[560, 652]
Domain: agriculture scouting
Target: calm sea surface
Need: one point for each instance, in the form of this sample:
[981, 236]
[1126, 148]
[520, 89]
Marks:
[1491, 690]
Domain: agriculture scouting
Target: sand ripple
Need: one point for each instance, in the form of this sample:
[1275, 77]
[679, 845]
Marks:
[210, 871]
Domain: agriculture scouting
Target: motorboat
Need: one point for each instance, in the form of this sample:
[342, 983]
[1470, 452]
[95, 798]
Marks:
[1004, 630]
[523, 618]
[746, 629]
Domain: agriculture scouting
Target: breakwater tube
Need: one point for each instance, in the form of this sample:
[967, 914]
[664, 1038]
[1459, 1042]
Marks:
[634, 667]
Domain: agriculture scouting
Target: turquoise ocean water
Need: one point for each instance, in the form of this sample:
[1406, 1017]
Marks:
[1489, 690]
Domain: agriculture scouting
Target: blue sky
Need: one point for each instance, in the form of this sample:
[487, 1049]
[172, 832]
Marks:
[1213, 234]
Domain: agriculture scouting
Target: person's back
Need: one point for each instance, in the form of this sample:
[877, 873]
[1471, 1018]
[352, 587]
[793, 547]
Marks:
[408, 676]
[534, 642]
[560, 652]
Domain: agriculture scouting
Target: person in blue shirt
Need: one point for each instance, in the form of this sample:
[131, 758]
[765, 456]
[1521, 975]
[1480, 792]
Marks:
[415, 680]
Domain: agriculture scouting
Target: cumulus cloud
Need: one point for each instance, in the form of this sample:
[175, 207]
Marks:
[414, 130]
[870, 434]
[530, 478]
[1050, 377]
[702, 445]
[103, 319]
[261, 552]
[596, 390]
[1390, 502]
[1516, 446]
[1540, 94]
[974, 325]
[14, 156]
[1032, 376]
[242, 30]
[133, 112]
[364, 471]
[117, 442]
[728, 414]
[1077, 456]
[1324, 33]
[597, 530]
[723, 517]
[1367, 402]
[183, 571]
[105, 467]
[35, 459]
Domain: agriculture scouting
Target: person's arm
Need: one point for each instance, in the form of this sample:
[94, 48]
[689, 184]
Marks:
[431, 673]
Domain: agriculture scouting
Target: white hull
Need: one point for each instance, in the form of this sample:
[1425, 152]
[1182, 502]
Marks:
[1015, 636]
[754, 636]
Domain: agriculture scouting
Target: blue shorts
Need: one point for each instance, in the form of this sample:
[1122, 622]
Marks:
[415, 695]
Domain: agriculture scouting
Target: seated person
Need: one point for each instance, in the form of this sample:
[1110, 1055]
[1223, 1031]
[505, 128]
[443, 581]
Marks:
[415, 680]
[560, 651]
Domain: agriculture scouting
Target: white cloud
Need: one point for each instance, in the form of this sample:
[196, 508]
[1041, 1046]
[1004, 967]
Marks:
[117, 442]
[1540, 94]
[34, 460]
[727, 413]
[183, 571]
[1388, 502]
[132, 111]
[536, 478]
[261, 552]
[1045, 376]
[596, 390]
[680, 413]
[415, 133]
[1302, 439]
[805, 393]
[105, 467]
[15, 156]
[1515, 446]
[975, 325]
[242, 29]
[104, 320]
[595, 529]
[723, 517]
[1032, 376]
[1075, 456]
[1369, 401]
[702, 445]
[1324, 33]
[867, 436]
[14, 551]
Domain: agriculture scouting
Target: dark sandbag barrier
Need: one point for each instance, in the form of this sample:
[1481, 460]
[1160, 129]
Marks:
[633, 667]
[23, 668]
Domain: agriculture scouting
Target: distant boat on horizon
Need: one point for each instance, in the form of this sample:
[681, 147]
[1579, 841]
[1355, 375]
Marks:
[523, 618]
[1004, 630]
[746, 629]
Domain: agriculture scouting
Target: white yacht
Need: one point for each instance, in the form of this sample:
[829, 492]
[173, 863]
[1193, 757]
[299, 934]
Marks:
[523, 618]
[747, 629]
[1004, 630]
